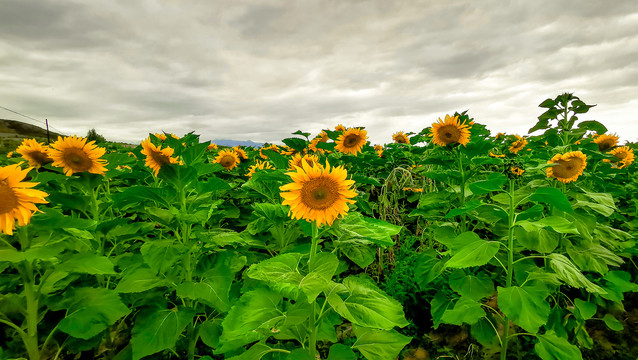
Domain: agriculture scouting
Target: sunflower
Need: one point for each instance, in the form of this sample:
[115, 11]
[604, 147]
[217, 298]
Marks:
[36, 153]
[496, 155]
[340, 128]
[518, 145]
[17, 199]
[228, 159]
[517, 171]
[318, 194]
[625, 156]
[312, 160]
[400, 138]
[606, 142]
[412, 189]
[569, 166]
[352, 141]
[450, 131]
[499, 135]
[322, 137]
[10, 154]
[287, 150]
[240, 152]
[212, 146]
[156, 157]
[259, 165]
[160, 136]
[74, 155]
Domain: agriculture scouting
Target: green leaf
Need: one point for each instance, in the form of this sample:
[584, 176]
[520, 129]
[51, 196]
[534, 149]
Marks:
[428, 267]
[138, 194]
[361, 179]
[494, 182]
[280, 273]
[548, 103]
[360, 252]
[376, 231]
[469, 206]
[557, 223]
[552, 347]
[586, 309]
[360, 301]
[180, 176]
[88, 264]
[210, 331]
[465, 310]
[484, 333]
[161, 255]
[255, 352]
[541, 240]
[469, 286]
[138, 280]
[193, 153]
[341, 352]
[593, 125]
[438, 306]
[525, 306]
[251, 319]
[594, 258]
[554, 197]
[474, 254]
[158, 329]
[571, 275]
[445, 235]
[295, 143]
[377, 344]
[612, 322]
[208, 292]
[91, 311]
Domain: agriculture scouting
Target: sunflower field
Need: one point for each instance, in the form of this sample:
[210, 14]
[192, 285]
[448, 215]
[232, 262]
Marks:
[450, 243]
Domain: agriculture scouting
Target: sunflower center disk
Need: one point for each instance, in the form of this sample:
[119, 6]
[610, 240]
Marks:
[8, 200]
[77, 160]
[450, 134]
[39, 157]
[227, 161]
[351, 140]
[567, 169]
[160, 159]
[319, 194]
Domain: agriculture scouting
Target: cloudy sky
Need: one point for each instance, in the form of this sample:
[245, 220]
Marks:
[260, 70]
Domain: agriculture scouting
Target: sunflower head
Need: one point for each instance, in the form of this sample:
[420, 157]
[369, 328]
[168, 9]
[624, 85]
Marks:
[606, 142]
[322, 137]
[259, 165]
[297, 159]
[319, 194]
[568, 167]
[156, 157]
[287, 150]
[240, 152]
[340, 128]
[271, 147]
[517, 171]
[625, 156]
[518, 144]
[228, 159]
[499, 135]
[212, 146]
[74, 154]
[36, 153]
[10, 154]
[17, 198]
[450, 131]
[400, 138]
[352, 141]
[496, 155]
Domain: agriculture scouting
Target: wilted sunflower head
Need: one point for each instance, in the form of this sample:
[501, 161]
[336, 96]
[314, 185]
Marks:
[297, 159]
[35, 152]
[568, 166]
[625, 156]
[606, 142]
[259, 165]
[240, 152]
[518, 144]
[318, 194]
[400, 138]
[17, 198]
[228, 159]
[75, 155]
[156, 157]
[352, 141]
[450, 131]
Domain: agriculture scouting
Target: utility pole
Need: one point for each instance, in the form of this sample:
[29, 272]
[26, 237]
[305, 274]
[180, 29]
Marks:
[48, 138]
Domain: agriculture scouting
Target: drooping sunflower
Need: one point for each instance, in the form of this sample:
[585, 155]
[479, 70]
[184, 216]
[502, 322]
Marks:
[450, 131]
[259, 165]
[74, 154]
[568, 166]
[312, 160]
[400, 138]
[518, 145]
[271, 147]
[317, 193]
[352, 141]
[606, 142]
[156, 157]
[287, 150]
[240, 152]
[517, 171]
[34, 152]
[17, 199]
[625, 156]
[228, 159]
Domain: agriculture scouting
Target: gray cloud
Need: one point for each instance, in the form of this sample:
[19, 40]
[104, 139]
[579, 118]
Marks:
[234, 69]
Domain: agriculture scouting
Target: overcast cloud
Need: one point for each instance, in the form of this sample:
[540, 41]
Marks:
[260, 70]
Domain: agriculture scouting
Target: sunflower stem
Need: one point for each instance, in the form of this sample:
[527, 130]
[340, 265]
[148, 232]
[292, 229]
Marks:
[510, 264]
[312, 341]
[31, 342]
[462, 190]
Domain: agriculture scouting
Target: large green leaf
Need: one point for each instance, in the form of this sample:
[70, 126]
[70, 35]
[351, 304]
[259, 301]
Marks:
[552, 347]
[88, 264]
[341, 352]
[445, 235]
[541, 240]
[494, 182]
[139, 280]
[470, 286]
[571, 275]
[594, 258]
[376, 231]
[438, 306]
[360, 301]
[465, 310]
[556, 223]
[474, 254]
[377, 344]
[90, 311]
[208, 292]
[255, 352]
[554, 197]
[251, 319]
[585, 309]
[158, 329]
[525, 306]
[360, 251]
[161, 255]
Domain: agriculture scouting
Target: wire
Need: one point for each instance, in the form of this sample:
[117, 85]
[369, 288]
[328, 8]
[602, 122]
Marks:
[29, 117]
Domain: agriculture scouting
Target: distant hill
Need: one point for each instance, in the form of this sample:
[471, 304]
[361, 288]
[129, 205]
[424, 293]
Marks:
[18, 129]
[237, 143]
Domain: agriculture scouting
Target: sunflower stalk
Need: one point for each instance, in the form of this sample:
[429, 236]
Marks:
[312, 325]
[510, 263]
[462, 189]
